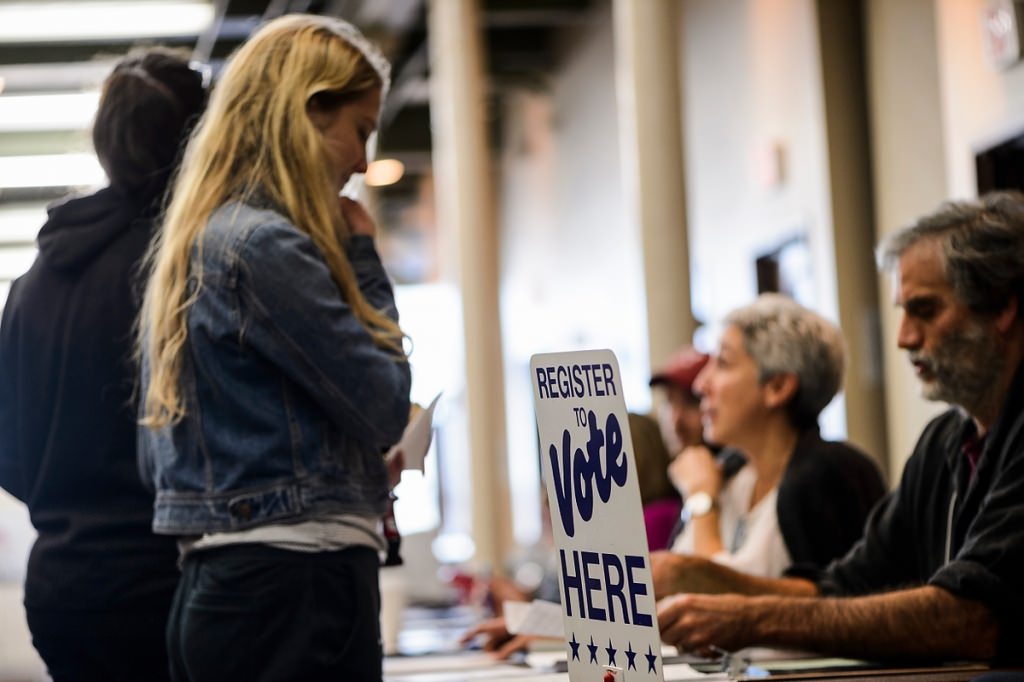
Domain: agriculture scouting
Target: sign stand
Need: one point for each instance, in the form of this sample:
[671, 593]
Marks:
[608, 605]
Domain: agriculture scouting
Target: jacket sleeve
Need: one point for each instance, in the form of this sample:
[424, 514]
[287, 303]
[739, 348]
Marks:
[301, 323]
[989, 566]
[373, 281]
[12, 475]
[823, 503]
[884, 557]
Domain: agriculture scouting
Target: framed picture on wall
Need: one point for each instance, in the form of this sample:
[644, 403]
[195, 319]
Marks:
[787, 269]
[1001, 165]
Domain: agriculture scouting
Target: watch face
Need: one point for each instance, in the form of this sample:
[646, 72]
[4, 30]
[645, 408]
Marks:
[699, 504]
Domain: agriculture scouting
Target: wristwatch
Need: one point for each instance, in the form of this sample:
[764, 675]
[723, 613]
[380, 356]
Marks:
[698, 504]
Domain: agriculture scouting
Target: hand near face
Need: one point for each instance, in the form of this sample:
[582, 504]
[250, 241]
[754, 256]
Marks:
[694, 470]
[357, 217]
[696, 622]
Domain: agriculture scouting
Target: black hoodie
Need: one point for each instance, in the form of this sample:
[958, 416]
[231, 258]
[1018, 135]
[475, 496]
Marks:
[67, 418]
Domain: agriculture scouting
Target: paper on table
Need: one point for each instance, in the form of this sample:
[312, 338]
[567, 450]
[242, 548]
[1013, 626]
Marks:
[416, 438]
[538, 617]
[408, 665]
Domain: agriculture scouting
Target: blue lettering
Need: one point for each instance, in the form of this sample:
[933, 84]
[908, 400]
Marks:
[609, 379]
[581, 473]
[562, 480]
[636, 588]
[584, 479]
[593, 612]
[617, 468]
[542, 384]
[572, 581]
[577, 380]
[614, 588]
[582, 588]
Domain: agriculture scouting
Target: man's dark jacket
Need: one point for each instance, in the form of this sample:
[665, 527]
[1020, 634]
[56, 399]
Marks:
[945, 528]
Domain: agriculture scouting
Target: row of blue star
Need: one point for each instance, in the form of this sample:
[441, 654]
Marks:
[611, 651]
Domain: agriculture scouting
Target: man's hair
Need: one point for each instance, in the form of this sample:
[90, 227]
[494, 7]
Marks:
[150, 102]
[783, 337]
[982, 247]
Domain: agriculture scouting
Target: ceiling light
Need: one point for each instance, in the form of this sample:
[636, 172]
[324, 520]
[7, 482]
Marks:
[22, 22]
[384, 172]
[71, 111]
[24, 79]
[51, 170]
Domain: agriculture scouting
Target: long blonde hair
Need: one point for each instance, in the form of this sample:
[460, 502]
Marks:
[257, 137]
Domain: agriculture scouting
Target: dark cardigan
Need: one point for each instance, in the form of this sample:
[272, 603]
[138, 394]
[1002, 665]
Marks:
[827, 492]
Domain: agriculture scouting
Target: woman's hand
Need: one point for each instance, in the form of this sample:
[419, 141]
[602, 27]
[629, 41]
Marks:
[694, 470]
[357, 217]
[395, 463]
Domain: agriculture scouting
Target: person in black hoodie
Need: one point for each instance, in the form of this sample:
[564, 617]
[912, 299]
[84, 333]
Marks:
[99, 582]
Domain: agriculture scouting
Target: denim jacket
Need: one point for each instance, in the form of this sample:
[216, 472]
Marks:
[289, 402]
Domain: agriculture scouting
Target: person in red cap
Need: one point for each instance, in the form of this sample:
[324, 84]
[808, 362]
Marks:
[683, 404]
[680, 423]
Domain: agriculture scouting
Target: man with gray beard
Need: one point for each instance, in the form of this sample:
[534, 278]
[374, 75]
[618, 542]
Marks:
[939, 573]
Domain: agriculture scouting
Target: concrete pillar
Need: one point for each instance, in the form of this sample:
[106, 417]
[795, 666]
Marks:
[908, 149]
[465, 213]
[650, 124]
[844, 91]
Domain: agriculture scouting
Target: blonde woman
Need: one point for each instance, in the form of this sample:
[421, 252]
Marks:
[273, 370]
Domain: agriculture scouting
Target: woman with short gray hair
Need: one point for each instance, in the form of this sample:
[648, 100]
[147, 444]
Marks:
[784, 337]
[800, 501]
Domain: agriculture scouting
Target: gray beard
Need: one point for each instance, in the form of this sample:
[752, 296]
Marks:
[967, 366]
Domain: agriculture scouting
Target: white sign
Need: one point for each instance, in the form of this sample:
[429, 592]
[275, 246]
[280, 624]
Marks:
[604, 569]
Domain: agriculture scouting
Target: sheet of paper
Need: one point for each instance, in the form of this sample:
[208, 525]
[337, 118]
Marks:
[538, 617]
[416, 438]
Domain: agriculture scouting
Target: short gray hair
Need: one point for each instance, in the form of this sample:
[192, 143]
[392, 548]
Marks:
[784, 337]
[982, 246]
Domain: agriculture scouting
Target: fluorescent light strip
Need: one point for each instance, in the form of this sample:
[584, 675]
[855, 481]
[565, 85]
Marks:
[25, 79]
[15, 261]
[24, 113]
[51, 170]
[20, 223]
[22, 22]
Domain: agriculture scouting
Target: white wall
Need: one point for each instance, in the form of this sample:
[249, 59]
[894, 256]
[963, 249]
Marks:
[751, 80]
[751, 85]
[571, 261]
[935, 100]
[909, 171]
[18, 660]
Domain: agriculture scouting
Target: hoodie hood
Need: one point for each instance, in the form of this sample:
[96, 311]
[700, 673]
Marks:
[79, 228]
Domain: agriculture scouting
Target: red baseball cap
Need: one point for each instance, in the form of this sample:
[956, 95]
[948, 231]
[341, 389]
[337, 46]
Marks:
[681, 369]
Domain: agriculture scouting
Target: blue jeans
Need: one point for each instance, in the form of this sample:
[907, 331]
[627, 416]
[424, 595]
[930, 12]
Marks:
[254, 612]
